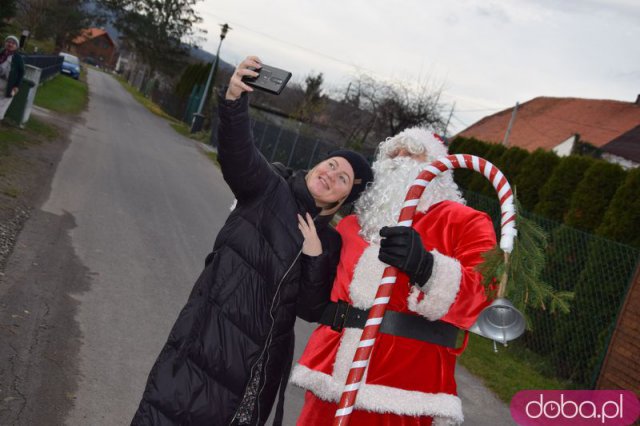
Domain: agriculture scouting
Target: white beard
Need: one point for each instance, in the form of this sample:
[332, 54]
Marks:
[380, 204]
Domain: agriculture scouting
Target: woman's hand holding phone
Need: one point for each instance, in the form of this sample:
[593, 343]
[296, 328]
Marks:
[236, 85]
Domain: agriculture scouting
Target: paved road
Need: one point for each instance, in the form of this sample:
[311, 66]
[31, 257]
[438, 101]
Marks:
[108, 261]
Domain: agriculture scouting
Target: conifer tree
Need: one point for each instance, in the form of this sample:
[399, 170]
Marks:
[622, 219]
[533, 174]
[557, 191]
[591, 199]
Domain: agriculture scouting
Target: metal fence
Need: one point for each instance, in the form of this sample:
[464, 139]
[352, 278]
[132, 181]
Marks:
[293, 144]
[49, 64]
[599, 271]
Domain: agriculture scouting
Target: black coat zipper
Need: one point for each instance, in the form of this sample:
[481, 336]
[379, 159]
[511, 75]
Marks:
[267, 343]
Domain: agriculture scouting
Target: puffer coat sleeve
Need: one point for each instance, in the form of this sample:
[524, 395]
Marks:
[244, 168]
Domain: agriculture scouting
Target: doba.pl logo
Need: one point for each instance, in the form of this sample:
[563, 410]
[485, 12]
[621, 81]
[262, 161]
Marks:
[575, 408]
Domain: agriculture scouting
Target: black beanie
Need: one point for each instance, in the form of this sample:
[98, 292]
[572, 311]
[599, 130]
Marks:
[362, 173]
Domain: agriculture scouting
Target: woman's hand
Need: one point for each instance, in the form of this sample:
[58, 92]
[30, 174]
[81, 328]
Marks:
[236, 85]
[14, 91]
[311, 245]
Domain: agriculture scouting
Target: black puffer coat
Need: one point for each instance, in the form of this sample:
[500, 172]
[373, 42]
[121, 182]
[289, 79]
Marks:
[231, 347]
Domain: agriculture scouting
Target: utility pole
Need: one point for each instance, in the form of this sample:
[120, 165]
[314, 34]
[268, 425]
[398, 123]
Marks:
[505, 141]
[446, 126]
[198, 117]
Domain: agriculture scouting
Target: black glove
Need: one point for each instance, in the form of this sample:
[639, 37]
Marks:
[402, 247]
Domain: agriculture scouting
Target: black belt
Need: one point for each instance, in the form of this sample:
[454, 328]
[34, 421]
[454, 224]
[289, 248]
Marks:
[342, 314]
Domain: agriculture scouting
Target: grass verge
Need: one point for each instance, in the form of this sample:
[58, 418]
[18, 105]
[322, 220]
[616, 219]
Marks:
[510, 370]
[63, 94]
[182, 128]
[146, 102]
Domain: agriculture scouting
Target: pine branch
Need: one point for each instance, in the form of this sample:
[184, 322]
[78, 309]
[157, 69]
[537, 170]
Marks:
[525, 287]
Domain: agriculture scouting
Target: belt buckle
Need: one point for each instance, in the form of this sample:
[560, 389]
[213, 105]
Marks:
[340, 317]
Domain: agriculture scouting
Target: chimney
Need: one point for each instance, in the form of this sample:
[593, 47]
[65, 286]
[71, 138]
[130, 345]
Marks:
[638, 100]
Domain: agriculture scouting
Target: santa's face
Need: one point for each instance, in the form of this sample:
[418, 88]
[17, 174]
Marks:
[404, 152]
[400, 161]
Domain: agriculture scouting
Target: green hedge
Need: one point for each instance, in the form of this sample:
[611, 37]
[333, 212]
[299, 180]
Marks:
[574, 190]
[591, 199]
[478, 182]
[511, 161]
[622, 219]
[467, 146]
[533, 174]
[583, 334]
[557, 191]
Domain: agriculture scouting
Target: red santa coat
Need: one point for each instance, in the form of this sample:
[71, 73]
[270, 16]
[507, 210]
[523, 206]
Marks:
[405, 376]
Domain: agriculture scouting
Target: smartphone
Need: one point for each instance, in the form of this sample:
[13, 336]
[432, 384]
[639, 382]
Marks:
[270, 79]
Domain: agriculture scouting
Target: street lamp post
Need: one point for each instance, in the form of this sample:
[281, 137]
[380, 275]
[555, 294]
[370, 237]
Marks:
[198, 117]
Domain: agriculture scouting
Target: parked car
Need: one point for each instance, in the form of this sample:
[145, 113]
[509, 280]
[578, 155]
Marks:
[71, 65]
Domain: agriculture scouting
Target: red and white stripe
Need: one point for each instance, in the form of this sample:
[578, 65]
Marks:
[376, 314]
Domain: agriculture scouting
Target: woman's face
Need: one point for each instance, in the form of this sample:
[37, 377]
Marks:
[330, 181]
[10, 45]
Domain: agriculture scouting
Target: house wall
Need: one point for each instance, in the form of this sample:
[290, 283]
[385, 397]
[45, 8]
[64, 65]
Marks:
[626, 164]
[565, 148]
[98, 48]
[621, 367]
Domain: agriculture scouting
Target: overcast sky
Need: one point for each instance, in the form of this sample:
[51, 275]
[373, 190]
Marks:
[486, 55]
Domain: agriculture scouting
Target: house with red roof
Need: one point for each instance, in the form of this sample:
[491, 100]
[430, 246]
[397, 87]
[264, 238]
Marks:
[95, 46]
[559, 123]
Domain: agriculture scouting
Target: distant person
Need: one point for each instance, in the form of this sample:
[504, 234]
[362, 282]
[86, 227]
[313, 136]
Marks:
[275, 258]
[11, 72]
[410, 377]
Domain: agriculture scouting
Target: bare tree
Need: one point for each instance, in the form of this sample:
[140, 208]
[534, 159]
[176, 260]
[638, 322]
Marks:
[372, 110]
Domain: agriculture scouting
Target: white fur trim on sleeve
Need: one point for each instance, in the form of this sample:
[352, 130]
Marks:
[366, 278]
[441, 289]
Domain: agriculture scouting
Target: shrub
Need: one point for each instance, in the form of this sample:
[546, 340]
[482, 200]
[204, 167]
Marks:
[454, 145]
[622, 219]
[557, 191]
[511, 161]
[566, 257]
[467, 146]
[478, 182]
[583, 334]
[533, 174]
[593, 195]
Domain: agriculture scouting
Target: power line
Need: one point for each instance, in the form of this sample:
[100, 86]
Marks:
[481, 110]
[337, 60]
[293, 44]
[455, 117]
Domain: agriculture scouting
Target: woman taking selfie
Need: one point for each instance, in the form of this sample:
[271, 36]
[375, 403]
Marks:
[231, 347]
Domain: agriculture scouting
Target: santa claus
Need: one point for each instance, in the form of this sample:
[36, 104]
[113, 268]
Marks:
[438, 292]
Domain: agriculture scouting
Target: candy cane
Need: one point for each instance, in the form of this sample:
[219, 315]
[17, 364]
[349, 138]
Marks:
[376, 313]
